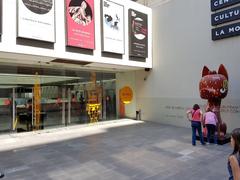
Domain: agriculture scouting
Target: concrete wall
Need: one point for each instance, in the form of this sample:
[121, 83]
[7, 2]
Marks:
[11, 48]
[182, 45]
[127, 79]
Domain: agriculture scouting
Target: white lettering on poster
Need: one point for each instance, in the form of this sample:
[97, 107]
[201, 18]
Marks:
[229, 30]
[234, 29]
[221, 2]
[227, 15]
[220, 33]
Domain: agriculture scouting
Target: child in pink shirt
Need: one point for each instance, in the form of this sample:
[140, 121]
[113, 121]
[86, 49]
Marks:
[210, 120]
[195, 116]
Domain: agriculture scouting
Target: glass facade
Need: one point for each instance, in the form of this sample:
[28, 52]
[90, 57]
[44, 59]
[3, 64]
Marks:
[39, 97]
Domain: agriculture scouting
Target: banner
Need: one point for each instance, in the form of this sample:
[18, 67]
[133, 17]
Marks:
[80, 23]
[113, 27]
[226, 31]
[225, 16]
[138, 34]
[36, 20]
[220, 4]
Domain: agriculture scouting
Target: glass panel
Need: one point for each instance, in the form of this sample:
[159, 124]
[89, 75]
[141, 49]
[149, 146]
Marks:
[109, 100]
[78, 105]
[5, 109]
[63, 96]
[23, 109]
[52, 105]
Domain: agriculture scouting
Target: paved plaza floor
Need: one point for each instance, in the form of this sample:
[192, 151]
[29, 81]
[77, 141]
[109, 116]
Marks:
[116, 150]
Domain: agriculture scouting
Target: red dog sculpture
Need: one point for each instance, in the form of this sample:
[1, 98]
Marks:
[214, 86]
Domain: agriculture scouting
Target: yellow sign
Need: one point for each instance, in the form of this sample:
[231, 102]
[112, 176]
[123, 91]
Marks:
[126, 95]
[94, 94]
[93, 112]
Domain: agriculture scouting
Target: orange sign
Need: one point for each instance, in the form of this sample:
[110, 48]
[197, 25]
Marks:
[126, 95]
[37, 102]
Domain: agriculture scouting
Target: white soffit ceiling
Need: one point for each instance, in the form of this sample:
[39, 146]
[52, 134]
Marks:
[153, 3]
[13, 79]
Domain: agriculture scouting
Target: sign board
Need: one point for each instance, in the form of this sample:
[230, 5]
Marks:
[226, 16]
[113, 27]
[126, 95]
[138, 34]
[220, 4]
[80, 23]
[36, 20]
[226, 31]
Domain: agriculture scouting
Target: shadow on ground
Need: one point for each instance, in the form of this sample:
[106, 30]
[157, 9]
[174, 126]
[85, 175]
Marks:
[138, 151]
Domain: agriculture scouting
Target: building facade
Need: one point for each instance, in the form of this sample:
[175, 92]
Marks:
[63, 62]
[183, 43]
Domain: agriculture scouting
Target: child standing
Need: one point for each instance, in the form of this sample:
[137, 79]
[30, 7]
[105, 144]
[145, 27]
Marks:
[195, 116]
[210, 120]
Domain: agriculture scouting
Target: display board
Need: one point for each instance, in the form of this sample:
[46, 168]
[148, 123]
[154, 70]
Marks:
[113, 27]
[80, 23]
[138, 34]
[36, 20]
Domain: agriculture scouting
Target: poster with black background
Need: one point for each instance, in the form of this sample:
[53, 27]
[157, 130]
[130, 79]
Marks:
[138, 34]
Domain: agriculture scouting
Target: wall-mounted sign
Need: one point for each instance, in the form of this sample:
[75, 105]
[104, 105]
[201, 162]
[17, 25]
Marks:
[80, 23]
[36, 20]
[226, 16]
[219, 4]
[113, 27]
[126, 95]
[226, 31]
[138, 34]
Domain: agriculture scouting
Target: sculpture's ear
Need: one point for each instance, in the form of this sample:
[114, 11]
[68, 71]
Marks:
[222, 70]
[205, 71]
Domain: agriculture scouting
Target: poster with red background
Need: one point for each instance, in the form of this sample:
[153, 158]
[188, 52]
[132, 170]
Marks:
[80, 23]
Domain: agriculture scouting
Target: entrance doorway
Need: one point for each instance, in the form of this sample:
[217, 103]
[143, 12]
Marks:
[5, 108]
[62, 98]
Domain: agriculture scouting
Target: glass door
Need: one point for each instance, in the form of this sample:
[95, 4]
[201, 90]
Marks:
[53, 105]
[78, 105]
[109, 100]
[110, 104]
[6, 110]
[23, 103]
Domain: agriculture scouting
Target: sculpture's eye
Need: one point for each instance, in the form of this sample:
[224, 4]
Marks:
[224, 87]
[223, 90]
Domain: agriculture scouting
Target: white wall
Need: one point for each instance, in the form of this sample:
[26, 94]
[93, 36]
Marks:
[182, 45]
[9, 44]
[127, 79]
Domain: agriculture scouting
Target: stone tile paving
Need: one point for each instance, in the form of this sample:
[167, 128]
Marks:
[117, 150]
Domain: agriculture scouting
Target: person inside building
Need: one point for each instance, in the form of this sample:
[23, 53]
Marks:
[82, 103]
[195, 116]
[108, 107]
[29, 106]
[234, 158]
[210, 120]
